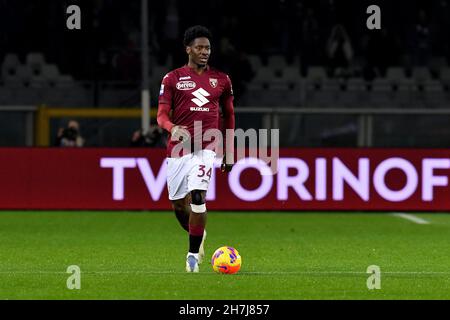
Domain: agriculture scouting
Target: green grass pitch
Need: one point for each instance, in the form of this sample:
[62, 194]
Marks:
[141, 255]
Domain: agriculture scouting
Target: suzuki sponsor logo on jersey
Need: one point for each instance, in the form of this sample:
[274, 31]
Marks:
[186, 85]
[200, 97]
[213, 82]
[199, 109]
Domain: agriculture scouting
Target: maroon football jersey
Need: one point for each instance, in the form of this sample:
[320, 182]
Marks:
[194, 97]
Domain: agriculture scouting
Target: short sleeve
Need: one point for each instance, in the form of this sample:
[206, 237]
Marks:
[166, 90]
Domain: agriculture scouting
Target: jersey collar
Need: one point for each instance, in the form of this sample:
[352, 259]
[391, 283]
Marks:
[192, 69]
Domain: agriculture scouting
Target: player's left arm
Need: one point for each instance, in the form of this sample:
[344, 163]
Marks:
[228, 126]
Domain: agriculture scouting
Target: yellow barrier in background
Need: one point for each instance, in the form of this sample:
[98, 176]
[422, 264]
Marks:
[44, 114]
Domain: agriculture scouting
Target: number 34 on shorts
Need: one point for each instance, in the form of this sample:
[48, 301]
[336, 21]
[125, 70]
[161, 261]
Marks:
[203, 172]
[190, 172]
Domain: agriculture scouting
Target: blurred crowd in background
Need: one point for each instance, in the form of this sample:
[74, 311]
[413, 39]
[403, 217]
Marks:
[319, 32]
[296, 53]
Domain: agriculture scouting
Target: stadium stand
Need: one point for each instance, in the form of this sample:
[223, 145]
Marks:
[98, 70]
[276, 83]
[374, 78]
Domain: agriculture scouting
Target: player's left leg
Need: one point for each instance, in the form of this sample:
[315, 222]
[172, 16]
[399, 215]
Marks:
[198, 182]
[197, 224]
[183, 212]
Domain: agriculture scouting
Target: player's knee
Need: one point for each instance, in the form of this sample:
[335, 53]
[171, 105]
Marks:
[197, 197]
[198, 201]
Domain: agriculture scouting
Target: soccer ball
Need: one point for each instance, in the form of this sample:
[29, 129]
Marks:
[226, 260]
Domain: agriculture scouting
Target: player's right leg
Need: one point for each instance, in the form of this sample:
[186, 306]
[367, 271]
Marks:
[177, 170]
[182, 209]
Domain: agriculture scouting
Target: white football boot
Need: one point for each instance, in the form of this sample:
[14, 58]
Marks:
[191, 263]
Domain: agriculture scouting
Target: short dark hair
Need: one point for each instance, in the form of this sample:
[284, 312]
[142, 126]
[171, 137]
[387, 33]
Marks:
[195, 32]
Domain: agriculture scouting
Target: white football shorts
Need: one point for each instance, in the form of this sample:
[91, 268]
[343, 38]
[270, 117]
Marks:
[190, 172]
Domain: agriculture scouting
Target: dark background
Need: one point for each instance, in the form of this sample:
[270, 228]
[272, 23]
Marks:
[276, 52]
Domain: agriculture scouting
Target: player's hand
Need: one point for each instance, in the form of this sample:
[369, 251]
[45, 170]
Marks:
[226, 167]
[180, 133]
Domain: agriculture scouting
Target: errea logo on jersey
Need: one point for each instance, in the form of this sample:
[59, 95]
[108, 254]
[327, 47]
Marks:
[200, 96]
[186, 85]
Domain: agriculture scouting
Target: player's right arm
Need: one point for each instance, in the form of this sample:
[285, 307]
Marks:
[165, 105]
[163, 118]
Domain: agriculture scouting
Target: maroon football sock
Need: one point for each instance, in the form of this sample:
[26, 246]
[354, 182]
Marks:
[195, 238]
[197, 224]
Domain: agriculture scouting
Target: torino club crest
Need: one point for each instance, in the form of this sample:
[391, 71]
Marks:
[213, 82]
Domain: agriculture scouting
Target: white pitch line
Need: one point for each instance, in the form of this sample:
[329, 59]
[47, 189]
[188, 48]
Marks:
[147, 272]
[411, 217]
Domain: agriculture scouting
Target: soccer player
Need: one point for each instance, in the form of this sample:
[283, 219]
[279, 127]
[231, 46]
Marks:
[189, 94]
